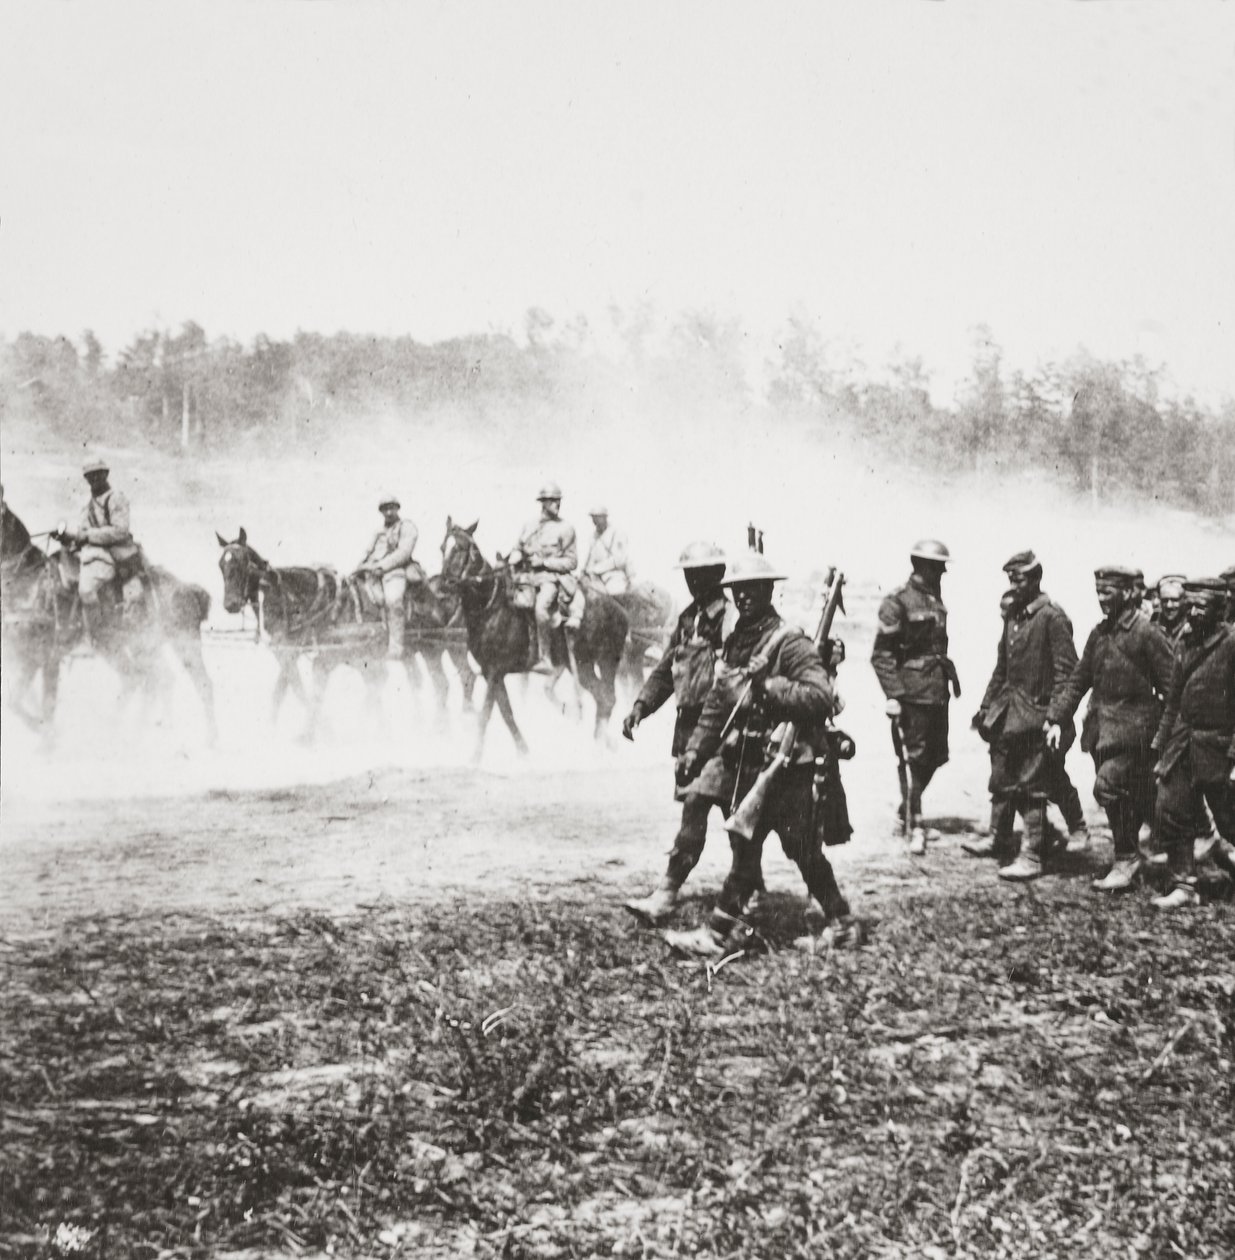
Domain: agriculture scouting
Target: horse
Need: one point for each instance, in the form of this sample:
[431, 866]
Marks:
[502, 638]
[311, 610]
[43, 624]
[652, 613]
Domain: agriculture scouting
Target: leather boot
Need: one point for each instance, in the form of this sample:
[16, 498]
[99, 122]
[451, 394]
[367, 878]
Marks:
[394, 633]
[998, 841]
[90, 617]
[1181, 897]
[1029, 864]
[543, 664]
[656, 907]
[917, 842]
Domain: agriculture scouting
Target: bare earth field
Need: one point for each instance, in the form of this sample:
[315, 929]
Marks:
[363, 1018]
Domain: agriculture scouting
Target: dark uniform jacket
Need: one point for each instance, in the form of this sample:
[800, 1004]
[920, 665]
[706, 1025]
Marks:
[1127, 666]
[795, 688]
[686, 670]
[1035, 660]
[1200, 709]
[911, 645]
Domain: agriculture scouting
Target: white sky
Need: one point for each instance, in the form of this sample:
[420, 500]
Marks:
[896, 171]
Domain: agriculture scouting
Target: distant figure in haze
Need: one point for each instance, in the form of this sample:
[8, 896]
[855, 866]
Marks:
[387, 566]
[911, 662]
[106, 546]
[608, 560]
[547, 547]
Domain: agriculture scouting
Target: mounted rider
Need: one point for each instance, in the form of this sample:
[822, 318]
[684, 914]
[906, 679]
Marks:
[608, 559]
[106, 551]
[388, 567]
[546, 547]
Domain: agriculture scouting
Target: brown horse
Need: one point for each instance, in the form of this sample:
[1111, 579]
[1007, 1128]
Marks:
[43, 624]
[312, 611]
[501, 637]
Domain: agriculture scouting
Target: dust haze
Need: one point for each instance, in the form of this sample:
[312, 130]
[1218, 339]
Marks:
[674, 454]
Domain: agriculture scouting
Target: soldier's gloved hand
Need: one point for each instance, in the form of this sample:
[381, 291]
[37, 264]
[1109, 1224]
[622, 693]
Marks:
[892, 708]
[633, 718]
[1054, 735]
[688, 767]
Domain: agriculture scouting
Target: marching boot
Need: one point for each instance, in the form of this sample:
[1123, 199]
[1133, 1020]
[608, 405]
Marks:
[721, 934]
[998, 842]
[1078, 838]
[656, 907]
[1181, 897]
[1029, 864]
[1128, 861]
[917, 842]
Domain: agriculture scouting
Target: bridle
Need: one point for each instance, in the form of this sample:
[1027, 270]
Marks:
[476, 569]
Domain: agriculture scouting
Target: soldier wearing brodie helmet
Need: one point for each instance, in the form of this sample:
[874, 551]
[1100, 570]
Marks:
[912, 664]
[388, 566]
[686, 672]
[769, 673]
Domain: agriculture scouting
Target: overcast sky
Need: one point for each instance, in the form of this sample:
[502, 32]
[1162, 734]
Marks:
[896, 171]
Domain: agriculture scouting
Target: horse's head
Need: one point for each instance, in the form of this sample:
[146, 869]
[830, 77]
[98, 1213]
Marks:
[242, 570]
[461, 558]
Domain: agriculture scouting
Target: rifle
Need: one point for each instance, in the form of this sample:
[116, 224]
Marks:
[745, 818]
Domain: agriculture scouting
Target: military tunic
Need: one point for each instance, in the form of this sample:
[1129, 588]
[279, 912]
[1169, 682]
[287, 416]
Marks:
[1126, 668]
[1196, 747]
[107, 541]
[1035, 660]
[608, 561]
[548, 546]
[795, 688]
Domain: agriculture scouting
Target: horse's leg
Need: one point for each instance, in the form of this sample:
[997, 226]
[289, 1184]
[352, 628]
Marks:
[467, 676]
[51, 694]
[486, 712]
[288, 679]
[440, 683]
[500, 695]
[188, 649]
[320, 672]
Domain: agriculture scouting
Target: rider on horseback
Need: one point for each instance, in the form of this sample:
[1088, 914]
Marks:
[388, 567]
[107, 552]
[547, 546]
[608, 560]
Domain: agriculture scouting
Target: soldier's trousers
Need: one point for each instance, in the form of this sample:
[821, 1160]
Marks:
[788, 813]
[1124, 787]
[394, 587]
[1023, 767]
[1181, 801]
[924, 729]
[692, 835]
[98, 568]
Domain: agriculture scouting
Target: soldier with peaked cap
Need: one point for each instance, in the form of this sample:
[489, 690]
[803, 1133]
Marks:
[912, 664]
[1196, 743]
[686, 672]
[998, 841]
[608, 554]
[1228, 576]
[388, 565]
[1035, 659]
[1126, 669]
[105, 539]
[547, 546]
[788, 682]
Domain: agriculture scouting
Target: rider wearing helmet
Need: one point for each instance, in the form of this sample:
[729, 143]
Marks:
[608, 554]
[912, 664]
[547, 546]
[387, 565]
[685, 672]
[787, 682]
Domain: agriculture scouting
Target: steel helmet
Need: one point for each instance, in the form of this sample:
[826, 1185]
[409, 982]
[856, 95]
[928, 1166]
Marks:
[930, 549]
[388, 500]
[550, 490]
[752, 567]
[598, 509]
[94, 464]
[701, 555]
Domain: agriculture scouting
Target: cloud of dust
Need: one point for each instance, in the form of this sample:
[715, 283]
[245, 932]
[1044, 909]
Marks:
[675, 455]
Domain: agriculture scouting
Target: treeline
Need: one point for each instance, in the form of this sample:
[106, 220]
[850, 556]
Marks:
[1103, 427]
